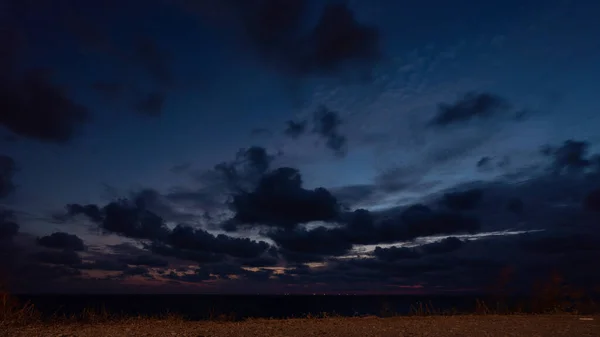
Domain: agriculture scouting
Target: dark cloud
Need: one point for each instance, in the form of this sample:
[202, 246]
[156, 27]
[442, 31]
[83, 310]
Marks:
[61, 240]
[185, 254]
[569, 157]
[10, 138]
[446, 245]
[181, 168]
[197, 276]
[299, 245]
[91, 211]
[257, 132]
[35, 108]
[151, 105]
[354, 194]
[104, 264]
[246, 169]
[262, 261]
[471, 105]
[36, 277]
[515, 205]
[488, 163]
[136, 271]
[416, 221]
[8, 168]
[279, 200]
[125, 218]
[295, 129]
[463, 201]
[109, 90]
[133, 220]
[278, 205]
[326, 125]
[146, 260]
[239, 175]
[339, 37]
[8, 227]
[276, 29]
[395, 253]
[560, 243]
[484, 163]
[364, 227]
[154, 60]
[396, 179]
[592, 201]
[198, 240]
[162, 205]
[64, 257]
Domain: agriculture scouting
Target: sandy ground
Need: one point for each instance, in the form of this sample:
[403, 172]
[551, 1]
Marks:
[523, 326]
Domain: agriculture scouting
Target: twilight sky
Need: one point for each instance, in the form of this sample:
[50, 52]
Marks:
[298, 146]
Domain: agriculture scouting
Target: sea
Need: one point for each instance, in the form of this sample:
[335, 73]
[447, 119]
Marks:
[199, 307]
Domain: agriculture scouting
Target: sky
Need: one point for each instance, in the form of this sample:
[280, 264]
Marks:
[271, 146]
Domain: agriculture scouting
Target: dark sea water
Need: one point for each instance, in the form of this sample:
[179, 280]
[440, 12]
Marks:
[244, 306]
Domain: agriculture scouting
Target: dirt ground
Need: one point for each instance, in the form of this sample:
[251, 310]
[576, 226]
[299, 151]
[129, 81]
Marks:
[480, 326]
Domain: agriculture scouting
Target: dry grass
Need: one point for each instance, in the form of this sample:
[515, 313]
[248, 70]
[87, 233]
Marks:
[21, 319]
[432, 326]
[554, 311]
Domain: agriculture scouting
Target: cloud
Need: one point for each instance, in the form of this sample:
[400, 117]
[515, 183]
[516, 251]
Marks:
[64, 257]
[181, 168]
[279, 200]
[560, 243]
[125, 218]
[151, 105]
[484, 163]
[261, 132]
[446, 245]
[61, 240]
[35, 108]
[301, 245]
[515, 205]
[340, 37]
[133, 220]
[91, 211]
[198, 240]
[326, 125]
[471, 105]
[463, 201]
[461, 237]
[295, 129]
[8, 168]
[109, 90]
[278, 31]
[354, 194]
[569, 157]
[8, 227]
[249, 165]
[364, 227]
[395, 253]
[199, 275]
[133, 271]
[153, 60]
[144, 69]
[104, 264]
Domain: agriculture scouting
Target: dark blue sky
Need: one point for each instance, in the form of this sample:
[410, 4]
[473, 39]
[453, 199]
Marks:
[423, 96]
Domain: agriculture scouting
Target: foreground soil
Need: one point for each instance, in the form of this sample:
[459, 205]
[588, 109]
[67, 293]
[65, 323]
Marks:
[530, 326]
